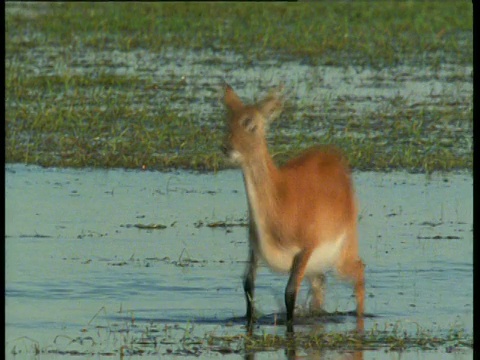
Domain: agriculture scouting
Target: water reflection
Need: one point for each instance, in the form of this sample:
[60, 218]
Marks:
[291, 354]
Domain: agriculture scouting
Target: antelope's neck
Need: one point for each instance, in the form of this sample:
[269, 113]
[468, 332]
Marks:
[262, 183]
[261, 179]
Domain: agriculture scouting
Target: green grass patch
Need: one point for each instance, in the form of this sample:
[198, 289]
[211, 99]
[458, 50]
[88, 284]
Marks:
[375, 33]
[71, 100]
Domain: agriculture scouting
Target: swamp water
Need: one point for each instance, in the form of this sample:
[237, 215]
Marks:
[83, 277]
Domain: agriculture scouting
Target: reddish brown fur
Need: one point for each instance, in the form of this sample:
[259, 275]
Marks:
[331, 190]
[307, 204]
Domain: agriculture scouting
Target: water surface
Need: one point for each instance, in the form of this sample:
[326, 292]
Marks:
[77, 269]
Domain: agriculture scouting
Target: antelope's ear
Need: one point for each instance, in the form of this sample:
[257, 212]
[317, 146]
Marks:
[272, 105]
[231, 99]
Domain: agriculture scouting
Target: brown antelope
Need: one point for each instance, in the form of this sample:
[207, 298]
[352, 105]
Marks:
[302, 216]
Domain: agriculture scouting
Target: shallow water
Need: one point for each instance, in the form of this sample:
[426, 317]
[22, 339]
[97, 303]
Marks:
[78, 270]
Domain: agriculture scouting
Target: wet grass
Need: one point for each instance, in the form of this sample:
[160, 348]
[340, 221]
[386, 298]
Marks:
[100, 125]
[63, 109]
[325, 31]
[349, 341]
[134, 338]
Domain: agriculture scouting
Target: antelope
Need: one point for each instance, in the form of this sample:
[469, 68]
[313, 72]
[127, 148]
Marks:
[302, 215]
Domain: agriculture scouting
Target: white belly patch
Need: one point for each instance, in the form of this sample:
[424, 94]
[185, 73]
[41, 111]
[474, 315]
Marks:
[325, 256]
[322, 259]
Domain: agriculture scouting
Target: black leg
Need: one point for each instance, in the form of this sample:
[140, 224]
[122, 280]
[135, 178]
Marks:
[290, 297]
[296, 276]
[249, 288]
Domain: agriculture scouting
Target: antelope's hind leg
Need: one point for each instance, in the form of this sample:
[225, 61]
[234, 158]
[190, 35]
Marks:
[317, 283]
[351, 267]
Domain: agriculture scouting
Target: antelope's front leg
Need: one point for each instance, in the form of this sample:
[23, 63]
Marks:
[297, 273]
[249, 288]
